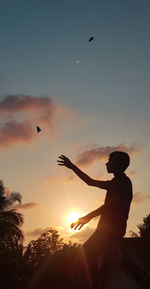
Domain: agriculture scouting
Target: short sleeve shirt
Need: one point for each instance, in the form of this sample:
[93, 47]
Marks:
[117, 204]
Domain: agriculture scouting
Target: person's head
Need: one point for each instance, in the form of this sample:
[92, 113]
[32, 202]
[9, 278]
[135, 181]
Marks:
[118, 162]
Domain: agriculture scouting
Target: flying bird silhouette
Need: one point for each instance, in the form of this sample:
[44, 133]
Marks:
[38, 129]
[91, 38]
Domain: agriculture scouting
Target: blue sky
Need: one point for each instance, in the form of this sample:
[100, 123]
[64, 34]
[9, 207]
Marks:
[108, 90]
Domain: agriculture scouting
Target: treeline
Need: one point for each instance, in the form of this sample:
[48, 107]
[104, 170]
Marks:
[47, 261]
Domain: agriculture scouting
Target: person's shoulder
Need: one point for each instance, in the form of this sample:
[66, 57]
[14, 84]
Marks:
[127, 180]
[122, 180]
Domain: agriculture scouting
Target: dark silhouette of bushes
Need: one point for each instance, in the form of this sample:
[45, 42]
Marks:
[144, 229]
[49, 260]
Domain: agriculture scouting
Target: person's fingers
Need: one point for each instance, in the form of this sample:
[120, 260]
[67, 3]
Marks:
[76, 226]
[61, 164]
[63, 157]
[81, 226]
[72, 225]
[60, 161]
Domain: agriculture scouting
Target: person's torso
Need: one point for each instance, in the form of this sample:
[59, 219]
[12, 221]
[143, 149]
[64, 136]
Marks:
[117, 204]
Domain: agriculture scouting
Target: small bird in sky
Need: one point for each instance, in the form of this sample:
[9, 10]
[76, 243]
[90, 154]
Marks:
[91, 38]
[38, 129]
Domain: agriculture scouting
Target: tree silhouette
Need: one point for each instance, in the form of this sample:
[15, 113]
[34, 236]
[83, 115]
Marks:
[45, 261]
[46, 245]
[144, 229]
[11, 236]
[49, 260]
[10, 220]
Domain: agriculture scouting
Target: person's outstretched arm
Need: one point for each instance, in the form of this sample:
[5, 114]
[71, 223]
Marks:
[85, 219]
[64, 161]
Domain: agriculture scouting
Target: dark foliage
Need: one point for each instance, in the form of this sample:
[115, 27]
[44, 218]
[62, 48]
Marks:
[11, 238]
[144, 229]
[49, 257]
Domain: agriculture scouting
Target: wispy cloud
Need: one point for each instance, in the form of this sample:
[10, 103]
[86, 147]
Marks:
[88, 157]
[62, 231]
[37, 232]
[69, 179]
[54, 180]
[21, 102]
[26, 206]
[83, 235]
[139, 198]
[14, 132]
[21, 113]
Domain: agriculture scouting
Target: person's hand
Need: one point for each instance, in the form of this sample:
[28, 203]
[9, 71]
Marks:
[64, 161]
[80, 222]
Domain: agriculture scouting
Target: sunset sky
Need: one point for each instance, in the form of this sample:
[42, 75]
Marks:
[89, 99]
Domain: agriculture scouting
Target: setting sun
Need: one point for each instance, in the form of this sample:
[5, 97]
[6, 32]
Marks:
[73, 217]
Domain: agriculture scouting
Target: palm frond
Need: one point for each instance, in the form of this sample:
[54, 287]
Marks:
[16, 197]
[12, 217]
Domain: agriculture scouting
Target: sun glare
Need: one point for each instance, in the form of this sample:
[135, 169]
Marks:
[72, 217]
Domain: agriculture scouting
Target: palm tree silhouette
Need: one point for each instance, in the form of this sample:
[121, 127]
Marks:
[11, 236]
[10, 220]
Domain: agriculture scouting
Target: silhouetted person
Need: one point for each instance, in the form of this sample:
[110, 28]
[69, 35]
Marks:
[114, 213]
